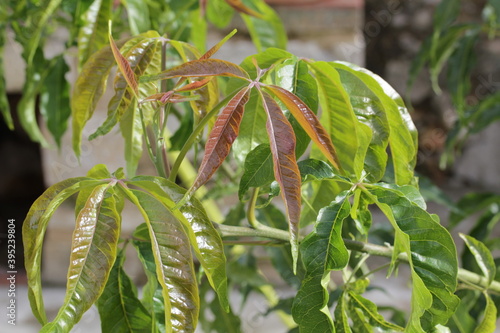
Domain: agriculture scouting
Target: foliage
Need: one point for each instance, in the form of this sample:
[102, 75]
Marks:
[451, 55]
[266, 111]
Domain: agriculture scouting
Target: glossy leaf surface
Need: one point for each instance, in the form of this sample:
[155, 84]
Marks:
[322, 250]
[34, 228]
[174, 263]
[482, 255]
[207, 242]
[349, 137]
[433, 257]
[92, 35]
[93, 253]
[119, 308]
[88, 89]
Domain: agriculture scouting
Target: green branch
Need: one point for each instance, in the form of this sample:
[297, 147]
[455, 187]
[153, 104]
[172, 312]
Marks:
[282, 236]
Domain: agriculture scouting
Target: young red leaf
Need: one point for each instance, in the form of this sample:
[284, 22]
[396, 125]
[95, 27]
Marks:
[221, 137]
[286, 171]
[124, 66]
[309, 122]
[197, 68]
[194, 85]
[240, 7]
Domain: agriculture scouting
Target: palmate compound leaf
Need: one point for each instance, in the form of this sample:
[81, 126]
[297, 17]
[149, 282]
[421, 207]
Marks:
[174, 263]
[286, 171]
[432, 256]
[93, 253]
[119, 308]
[322, 250]
[34, 228]
[204, 238]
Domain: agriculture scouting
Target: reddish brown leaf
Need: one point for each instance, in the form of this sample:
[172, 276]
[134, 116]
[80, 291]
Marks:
[194, 85]
[309, 122]
[217, 46]
[203, 7]
[286, 171]
[221, 137]
[169, 96]
[124, 66]
[240, 7]
[199, 68]
[162, 98]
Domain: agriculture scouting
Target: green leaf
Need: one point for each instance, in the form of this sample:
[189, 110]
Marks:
[446, 12]
[432, 257]
[34, 228]
[471, 203]
[219, 13]
[293, 75]
[36, 71]
[4, 103]
[341, 318]
[119, 308]
[174, 263]
[322, 250]
[213, 318]
[316, 195]
[463, 60]
[132, 131]
[137, 55]
[312, 169]
[488, 324]
[378, 105]
[253, 131]
[93, 33]
[207, 242]
[267, 31]
[93, 253]
[281, 256]
[124, 66]
[370, 311]
[138, 16]
[152, 296]
[88, 89]
[258, 169]
[54, 100]
[442, 48]
[482, 255]
[350, 137]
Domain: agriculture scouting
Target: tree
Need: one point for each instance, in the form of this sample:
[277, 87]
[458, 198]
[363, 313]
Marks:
[266, 111]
